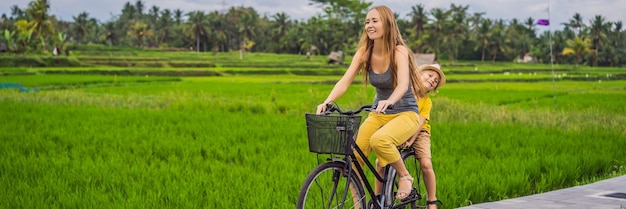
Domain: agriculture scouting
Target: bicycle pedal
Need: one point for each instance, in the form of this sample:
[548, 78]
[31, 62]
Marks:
[412, 197]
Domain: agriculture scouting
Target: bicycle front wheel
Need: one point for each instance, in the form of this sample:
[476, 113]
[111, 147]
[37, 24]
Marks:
[329, 186]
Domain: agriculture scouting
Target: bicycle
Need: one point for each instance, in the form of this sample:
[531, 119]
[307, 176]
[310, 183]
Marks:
[334, 183]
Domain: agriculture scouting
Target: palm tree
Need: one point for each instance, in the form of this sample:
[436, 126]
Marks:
[247, 30]
[498, 43]
[437, 28]
[312, 29]
[154, 14]
[281, 24]
[598, 35]
[81, 26]
[579, 47]
[418, 19]
[24, 34]
[483, 35]
[123, 25]
[349, 14]
[140, 30]
[293, 38]
[110, 33]
[516, 33]
[5, 23]
[618, 44]
[232, 18]
[164, 26]
[178, 16]
[128, 12]
[219, 31]
[529, 35]
[336, 36]
[139, 5]
[417, 26]
[457, 30]
[576, 22]
[476, 20]
[17, 13]
[196, 27]
[41, 25]
[530, 27]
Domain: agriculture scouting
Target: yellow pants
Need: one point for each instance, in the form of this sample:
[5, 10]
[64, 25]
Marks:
[383, 133]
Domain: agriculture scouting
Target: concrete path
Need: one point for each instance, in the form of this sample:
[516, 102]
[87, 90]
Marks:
[606, 194]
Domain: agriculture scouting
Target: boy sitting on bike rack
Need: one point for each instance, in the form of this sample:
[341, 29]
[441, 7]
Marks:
[432, 77]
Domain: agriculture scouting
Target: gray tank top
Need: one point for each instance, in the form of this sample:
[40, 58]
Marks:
[384, 89]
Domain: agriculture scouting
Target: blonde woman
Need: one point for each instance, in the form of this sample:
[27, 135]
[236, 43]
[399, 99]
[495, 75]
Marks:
[388, 64]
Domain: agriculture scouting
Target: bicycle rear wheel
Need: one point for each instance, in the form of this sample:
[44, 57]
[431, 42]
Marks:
[414, 168]
[328, 186]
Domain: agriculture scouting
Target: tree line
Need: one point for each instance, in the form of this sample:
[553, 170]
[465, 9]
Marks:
[451, 33]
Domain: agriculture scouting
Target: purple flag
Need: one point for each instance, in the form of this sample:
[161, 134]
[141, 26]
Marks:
[543, 22]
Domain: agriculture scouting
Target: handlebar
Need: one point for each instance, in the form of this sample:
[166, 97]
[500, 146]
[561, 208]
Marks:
[330, 108]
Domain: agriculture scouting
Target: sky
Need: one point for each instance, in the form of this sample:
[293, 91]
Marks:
[560, 11]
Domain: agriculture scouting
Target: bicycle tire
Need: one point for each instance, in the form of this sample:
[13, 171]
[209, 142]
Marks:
[325, 187]
[414, 168]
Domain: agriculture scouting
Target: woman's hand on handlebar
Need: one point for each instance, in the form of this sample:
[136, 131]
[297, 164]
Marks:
[321, 108]
[383, 105]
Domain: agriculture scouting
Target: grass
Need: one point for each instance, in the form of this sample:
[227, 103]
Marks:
[66, 81]
[239, 141]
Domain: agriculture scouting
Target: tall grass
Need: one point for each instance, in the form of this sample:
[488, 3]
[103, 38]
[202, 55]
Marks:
[81, 156]
[240, 142]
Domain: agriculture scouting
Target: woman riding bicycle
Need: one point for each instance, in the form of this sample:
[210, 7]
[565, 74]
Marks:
[388, 64]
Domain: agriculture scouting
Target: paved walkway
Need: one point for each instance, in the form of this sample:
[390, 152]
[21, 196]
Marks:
[596, 195]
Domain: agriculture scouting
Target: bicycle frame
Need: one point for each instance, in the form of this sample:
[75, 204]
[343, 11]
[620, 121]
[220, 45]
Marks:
[351, 159]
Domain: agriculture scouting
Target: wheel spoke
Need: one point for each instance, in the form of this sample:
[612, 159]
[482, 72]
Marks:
[328, 187]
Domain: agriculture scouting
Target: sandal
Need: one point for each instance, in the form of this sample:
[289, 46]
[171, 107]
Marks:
[403, 194]
[433, 202]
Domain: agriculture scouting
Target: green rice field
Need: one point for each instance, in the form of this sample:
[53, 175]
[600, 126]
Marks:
[237, 138]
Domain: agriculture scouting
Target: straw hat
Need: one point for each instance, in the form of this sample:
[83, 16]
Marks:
[436, 68]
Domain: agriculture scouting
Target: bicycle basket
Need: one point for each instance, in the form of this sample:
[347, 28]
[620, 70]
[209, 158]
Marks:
[328, 134]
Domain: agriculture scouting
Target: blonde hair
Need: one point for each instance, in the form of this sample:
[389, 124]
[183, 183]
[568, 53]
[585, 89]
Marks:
[391, 38]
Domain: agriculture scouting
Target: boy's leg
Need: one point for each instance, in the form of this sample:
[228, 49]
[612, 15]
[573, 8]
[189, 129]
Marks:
[423, 154]
[429, 180]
